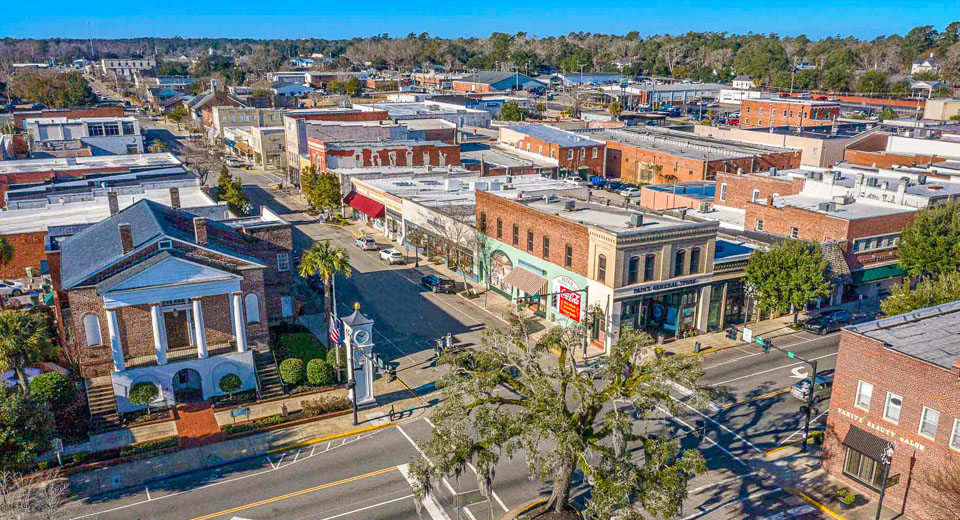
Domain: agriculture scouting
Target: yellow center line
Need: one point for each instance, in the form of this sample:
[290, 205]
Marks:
[296, 493]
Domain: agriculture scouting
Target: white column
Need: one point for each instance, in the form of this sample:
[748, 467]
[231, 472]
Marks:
[114, 329]
[200, 328]
[159, 338]
[239, 325]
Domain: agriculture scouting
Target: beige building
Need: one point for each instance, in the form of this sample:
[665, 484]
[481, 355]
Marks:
[819, 147]
[262, 146]
[227, 116]
[941, 109]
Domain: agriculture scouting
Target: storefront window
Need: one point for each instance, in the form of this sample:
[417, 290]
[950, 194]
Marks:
[632, 270]
[858, 466]
[678, 263]
[649, 264]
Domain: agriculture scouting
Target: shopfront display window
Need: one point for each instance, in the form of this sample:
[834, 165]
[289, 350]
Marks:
[862, 468]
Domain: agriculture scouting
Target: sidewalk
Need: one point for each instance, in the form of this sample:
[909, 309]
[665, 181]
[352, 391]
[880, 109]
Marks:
[718, 340]
[142, 472]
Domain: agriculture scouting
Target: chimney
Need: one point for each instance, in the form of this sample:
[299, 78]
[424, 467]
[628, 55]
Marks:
[126, 237]
[175, 197]
[113, 203]
[200, 230]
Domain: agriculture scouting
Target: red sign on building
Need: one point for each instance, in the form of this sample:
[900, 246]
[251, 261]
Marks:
[569, 304]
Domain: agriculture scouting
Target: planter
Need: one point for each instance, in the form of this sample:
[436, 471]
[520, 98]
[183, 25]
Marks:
[293, 421]
[167, 411]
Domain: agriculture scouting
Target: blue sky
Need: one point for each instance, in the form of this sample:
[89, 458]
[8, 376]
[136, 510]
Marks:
[338, 19]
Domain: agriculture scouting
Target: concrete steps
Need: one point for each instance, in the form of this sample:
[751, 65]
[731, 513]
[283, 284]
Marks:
[103, 406]
[268, 374]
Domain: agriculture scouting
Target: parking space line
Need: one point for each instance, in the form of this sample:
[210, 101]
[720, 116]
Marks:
[147, 489]
[367, 508]
[732, 502]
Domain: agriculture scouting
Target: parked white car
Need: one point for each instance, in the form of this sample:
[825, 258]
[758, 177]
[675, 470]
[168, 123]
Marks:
[367, 243]
[392, 256]
[11, 288]
[630, 192]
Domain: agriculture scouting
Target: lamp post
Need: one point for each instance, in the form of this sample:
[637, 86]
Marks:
[887, 459]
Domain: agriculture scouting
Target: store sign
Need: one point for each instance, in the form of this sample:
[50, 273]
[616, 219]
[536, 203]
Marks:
[880, 429]
[670, 284]
[568, 304]
[435, 223]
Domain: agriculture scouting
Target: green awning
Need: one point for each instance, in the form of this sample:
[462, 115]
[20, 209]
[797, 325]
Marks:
[877, 273]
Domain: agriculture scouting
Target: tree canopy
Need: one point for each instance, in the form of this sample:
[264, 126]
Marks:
[53, 89]
[927, 293]
[930, 246]
[564, 421]
[25, 339]
[786, 278]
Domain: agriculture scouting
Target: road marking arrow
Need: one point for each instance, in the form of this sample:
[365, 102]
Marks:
[799, 373]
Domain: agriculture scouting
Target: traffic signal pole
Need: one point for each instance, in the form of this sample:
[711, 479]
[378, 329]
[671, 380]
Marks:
[808, 408]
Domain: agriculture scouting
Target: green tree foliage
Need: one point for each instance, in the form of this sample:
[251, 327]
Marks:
[319, 372]
[942, 92]
[930, 246]
[350, 87]
[56, 390]
[53, 89]
[291, 371]
[26, 426]
[928, 292]
[900, 88]
[564, 422]
[615, 109]
[230, 383]
[179, 115]
[143, 393]
[872, 82]
[786, 278]
[761, 59]
[25, 339]
[230, 190]
[836, 79]
[887, 113]
[511, 111]
[322, 189]
[327, 261]
[172, 68]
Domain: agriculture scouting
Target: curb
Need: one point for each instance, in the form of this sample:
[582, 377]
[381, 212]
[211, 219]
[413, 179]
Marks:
[826, 510]
[711, 350]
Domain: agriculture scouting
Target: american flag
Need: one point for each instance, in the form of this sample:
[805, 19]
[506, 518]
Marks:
[334, 331]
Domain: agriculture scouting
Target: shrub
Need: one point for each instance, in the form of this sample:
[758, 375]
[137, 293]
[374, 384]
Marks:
[324, 405]
[332, 357]
[230, 383]
[264, 422]
[79, 458]
[146, 447]
[301, 345]
[291, 371]
[319, 372]
[55, 389]
[43, 465]
[143, 393]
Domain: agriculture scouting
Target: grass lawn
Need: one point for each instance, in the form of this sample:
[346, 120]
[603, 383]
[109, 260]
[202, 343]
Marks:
[302, 345]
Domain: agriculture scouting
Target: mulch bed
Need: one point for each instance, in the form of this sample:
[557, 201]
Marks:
[539, 514]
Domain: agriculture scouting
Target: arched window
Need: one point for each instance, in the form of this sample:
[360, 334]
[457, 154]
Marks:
[695, 260]
[649, 265]
[633, 268]
[678, 263]
[252, 306]
[602, 268]
[91, 327]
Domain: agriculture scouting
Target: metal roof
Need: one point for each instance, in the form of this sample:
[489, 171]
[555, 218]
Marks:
[555, 135]
[928, 334]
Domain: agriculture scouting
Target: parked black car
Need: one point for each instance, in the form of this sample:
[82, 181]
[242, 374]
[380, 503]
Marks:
[438, 283]
[829, 321]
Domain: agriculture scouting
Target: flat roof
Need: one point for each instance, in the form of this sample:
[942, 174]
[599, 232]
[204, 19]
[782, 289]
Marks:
[928, 334]
[696, 189]
[859, 209]
[377, 144]
[91, 210]
[474, 153]
[684, 144]
[69, 120]
[555, 135]
[824, 132]
[420, 108]
[399, 170]
[728, 218]
[439, 190]
[89, 163]
[729, 251]
[793, 100]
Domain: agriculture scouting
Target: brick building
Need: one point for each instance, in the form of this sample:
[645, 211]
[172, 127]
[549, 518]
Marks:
[485, 81]
[655, 156]
[161, 295]
[872, 151]
[68, 113]
[735, 190]
[897, 384]
[568, 150]
[775, 111]
[355, 154]
[296, 131]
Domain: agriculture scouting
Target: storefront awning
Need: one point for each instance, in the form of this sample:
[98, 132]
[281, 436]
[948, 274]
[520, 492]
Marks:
[866, 443]
[526, 281]
[877, 273]
[365, 205]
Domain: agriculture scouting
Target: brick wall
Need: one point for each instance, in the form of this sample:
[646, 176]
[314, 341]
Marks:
[424, 154]
[560, 231]
[593, 155]
[469, 86]
[623, 159]
[811, 225]
[739, 188]
[764, 113]
[887, 160]
[920, 384]
[28, 251]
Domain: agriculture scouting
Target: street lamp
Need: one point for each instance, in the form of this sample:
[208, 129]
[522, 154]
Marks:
[886, 460]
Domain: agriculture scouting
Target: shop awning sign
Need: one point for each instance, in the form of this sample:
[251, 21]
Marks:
[569, 303]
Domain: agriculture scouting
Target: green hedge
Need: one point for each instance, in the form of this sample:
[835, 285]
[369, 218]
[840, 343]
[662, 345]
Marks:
[319, 373]
[146, 447]
[301, 345]
[272, 420]
[324, 405]
[55, 389]
[291, 371]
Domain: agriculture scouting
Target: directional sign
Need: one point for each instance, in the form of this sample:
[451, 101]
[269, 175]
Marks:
[799, 373]
[791, 355]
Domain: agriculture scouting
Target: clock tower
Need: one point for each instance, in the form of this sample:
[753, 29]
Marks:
[358, 338]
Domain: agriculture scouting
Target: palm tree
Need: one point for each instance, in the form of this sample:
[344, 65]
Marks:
[24, 340]
[327, 261]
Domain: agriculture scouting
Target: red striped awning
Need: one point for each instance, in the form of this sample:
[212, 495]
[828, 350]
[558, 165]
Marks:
[365, 205]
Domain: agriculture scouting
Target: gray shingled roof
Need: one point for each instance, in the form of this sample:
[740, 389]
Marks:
[98, 246]
[927, 334]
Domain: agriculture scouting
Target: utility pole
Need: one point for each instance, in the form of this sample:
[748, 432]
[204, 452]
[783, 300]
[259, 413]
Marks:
[808, 408]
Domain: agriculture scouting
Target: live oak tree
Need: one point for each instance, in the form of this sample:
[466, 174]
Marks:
[786, 278]
[564, 422]
[930, 246]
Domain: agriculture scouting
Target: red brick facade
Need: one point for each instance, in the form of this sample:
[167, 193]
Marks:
[626, 161]
[350, 155]
[340, 115]
[591, 156]
[40, 176]
[470, 86]
[764, 113]
[28, 251]
[919, 384]
[735, 191]
[560, 232]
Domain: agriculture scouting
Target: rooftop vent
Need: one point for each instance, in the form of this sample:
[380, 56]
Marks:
[636, 220]
[569, 205]
[827, 206]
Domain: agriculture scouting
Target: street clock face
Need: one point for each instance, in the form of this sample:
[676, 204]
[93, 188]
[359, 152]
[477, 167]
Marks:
[361, 337]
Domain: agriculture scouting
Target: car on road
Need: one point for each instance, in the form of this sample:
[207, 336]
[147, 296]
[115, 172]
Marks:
[438, 283]
[232, 162]
[630, 192]
[594, 368]
[392, 256]
[576, 181]
[828, 321]
[824, 385]
[366, 243]
[11, 288]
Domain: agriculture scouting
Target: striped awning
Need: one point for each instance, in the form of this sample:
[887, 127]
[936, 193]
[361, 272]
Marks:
[527, 281]
[866, 443]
